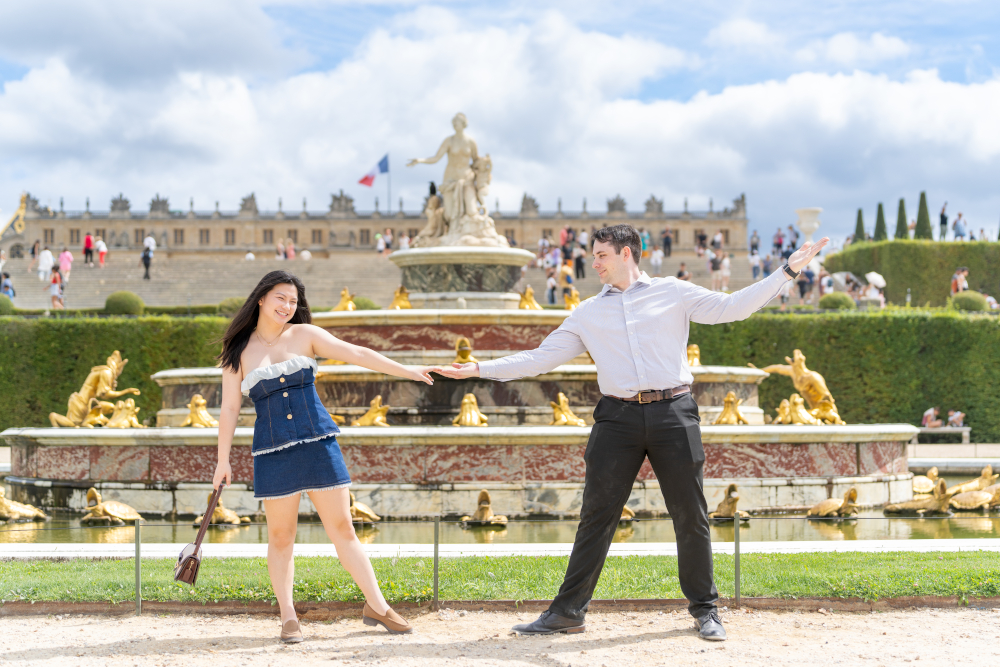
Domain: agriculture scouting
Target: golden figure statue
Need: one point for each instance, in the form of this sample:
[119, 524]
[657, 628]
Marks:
[361, 513]
[694, 355]
[793, 411]
[784, 413]
[468, 413]
[337, 419]
[809, 384]
[846, 506]
[125, 415]
[985, 479]
[376, 414]
[222, 515]
[463, 351]
[970, 501]
[925, 483]
[528, 300]
[198, 416]
[101, 384]
[937, 503]
[562, 415]
[572, 300]
[400, 300]
[484, 516]
[731, 414]
[726, 511]
[96, 416]
[346, 301]
[11, 510]
[628, 516]
[111, 512]
[826, 412]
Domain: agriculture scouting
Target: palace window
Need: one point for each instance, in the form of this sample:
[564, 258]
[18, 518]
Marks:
[268, 236]
[178, 237]
[74, 236]
[725, 235]
[49, 235]
[697, 233]
[204, 236]
[546, 233]
[364, 237]
[140, 234]
[102, 234]
[317, 237]
[293, 235]
[412, 232]
[230, 237]
[17, 251]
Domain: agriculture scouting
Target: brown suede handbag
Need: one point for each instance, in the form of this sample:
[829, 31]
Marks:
[186, 570]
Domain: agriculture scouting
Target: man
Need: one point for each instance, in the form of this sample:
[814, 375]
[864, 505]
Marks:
[636, 330]
[755, 242]
[944, 223]
[668, 242]
[930, 418]
[88, 250]
[755, 264]
[683, 273]
[149, 243]
[45, 264]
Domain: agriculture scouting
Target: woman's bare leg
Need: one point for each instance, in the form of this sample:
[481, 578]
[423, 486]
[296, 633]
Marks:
[282, 521]
[334, 508]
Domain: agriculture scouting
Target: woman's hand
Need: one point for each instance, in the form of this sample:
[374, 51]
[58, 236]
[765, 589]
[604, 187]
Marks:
[460, 371]
[804, 255]
[223, 472]
[424, 374]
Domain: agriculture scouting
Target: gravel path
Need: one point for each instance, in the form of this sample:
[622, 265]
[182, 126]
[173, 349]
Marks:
[627, 639]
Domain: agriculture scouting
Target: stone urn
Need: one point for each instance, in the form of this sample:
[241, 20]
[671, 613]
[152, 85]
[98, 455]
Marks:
[808, 221]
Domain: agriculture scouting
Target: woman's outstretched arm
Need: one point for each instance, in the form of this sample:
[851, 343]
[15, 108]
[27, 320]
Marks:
[326, 345]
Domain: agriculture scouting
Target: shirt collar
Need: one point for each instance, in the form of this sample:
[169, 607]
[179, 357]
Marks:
[643, 279]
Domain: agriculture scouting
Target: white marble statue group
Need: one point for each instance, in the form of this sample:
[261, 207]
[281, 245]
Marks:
[456, 212]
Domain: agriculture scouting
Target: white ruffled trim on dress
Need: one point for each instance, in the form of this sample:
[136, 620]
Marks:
[272, 371]
[289, 495]
[331, 434]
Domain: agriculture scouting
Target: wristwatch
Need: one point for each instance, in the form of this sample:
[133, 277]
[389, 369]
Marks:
[788, 271]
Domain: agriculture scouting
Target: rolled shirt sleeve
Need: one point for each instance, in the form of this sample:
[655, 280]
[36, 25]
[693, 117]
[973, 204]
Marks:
[707, 307]
[559, 347]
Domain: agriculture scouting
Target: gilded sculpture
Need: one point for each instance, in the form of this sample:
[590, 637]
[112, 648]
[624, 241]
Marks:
[572, 300]
[784, 413]
[125, 415]
[468, 413]
[111, 512]
[11, 510]
[731, 414]
[562, 415]
[826, 412]
[809, 384]
[846, 506]
[361, 513]
[694, 355]
[925, 483]
[100, 386]
[346, 301]
[484, 516]
[528, 300]
[793, 411]
[970, 501]
[463, 351]
[376, 415]
[400, 299]
[935, 504]
[198, 416]
[222, 515]
[726, 511]
[985, 479]
[627, 517]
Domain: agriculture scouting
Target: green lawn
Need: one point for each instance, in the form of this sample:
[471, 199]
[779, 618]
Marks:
[868, 576]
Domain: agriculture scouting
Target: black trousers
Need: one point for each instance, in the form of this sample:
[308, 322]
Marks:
[88, 255]
[623, 436]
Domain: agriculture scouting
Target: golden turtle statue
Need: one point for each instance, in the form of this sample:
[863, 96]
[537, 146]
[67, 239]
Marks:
[935, 504]
[925, 483]
[826, 412]
[125, 415]
[468, 413]
[726, 511]
[400, 299]
[463, 351]
[985, 479]
[809, 384]
[376, 414]
[845, 506]
[484, 516]
[970, 501]
[11, 510]
[100, 386]
[222, 515]
[561, 413]
[731, 414]
[527, 301]
[361, 513]
[111, 512]
[346, 301]
[694, 355]
[572, 300]
[198, 416]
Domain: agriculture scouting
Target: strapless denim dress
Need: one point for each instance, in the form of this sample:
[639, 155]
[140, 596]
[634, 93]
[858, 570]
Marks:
[295, 445]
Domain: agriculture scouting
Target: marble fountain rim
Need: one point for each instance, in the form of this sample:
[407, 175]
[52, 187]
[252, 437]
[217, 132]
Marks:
[567, 372]
[461, 255]
[443, 316]
[453, 435]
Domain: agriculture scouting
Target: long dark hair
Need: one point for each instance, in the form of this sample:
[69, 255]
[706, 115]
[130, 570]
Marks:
[237, 335]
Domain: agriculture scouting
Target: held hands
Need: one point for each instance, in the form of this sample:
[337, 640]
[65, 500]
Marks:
[460, 371]
[223, 471]
[424, 374]
[805, 254]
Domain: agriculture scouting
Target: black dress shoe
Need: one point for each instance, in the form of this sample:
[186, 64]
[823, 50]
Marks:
[549, 624]
[710, 627]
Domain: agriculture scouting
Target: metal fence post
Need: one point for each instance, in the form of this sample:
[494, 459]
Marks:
[437, 528]
[736, 542]
[138, 567]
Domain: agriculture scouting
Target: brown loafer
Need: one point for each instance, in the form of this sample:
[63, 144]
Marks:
[291, 633]
[393, 622]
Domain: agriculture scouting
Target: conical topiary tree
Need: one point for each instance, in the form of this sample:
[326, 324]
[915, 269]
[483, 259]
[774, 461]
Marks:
[902, 228]
[880, 231]
[923, 230]
[859, 229]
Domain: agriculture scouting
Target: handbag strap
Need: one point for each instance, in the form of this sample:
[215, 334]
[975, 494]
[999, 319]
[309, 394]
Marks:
[207, 520]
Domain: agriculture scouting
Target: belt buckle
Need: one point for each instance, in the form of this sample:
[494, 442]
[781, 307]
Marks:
[640, 399]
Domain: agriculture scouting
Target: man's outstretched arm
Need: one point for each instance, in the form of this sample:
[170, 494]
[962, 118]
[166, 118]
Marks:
[559, 347]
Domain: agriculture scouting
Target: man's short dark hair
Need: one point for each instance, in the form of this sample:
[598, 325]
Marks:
[619, 236]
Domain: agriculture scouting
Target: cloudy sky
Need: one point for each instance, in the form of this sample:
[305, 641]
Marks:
[841, 106]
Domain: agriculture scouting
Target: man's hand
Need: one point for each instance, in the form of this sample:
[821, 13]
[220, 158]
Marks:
[460, 371]
[805, 254]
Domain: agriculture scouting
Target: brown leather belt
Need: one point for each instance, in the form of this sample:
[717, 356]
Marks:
[644, 397]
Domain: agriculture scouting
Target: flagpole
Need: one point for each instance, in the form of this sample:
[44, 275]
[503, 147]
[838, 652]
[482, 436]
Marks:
[388, 185]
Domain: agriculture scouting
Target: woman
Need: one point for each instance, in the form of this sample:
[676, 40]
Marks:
[290, 250]
[102, 250]
[268, 353]
[726, 271]
[55, 290]
[65, 262]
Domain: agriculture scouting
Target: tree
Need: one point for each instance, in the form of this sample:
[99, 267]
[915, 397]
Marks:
[902, 228]
[880, 232]
[923, 230]
[859, 229]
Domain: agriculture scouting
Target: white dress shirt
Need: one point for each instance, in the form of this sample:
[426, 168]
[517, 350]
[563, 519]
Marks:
[638, 338]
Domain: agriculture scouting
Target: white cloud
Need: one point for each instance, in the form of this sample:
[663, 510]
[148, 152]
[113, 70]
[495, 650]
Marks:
[743, 33]
[849, 50]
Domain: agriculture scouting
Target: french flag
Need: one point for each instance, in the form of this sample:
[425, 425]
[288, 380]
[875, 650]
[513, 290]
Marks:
[381, 168]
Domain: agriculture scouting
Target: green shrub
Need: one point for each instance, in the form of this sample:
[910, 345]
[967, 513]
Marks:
[881, 233]
[364, 303]
[969, 301]
[231, 305]
[859, 228]
[836, 301]
[902, 227]
[200, 309]
[923, 229]
[124, 303]
[6, 305]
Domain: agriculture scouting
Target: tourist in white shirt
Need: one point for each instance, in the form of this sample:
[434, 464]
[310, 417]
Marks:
[755, 265]
[149, 242]
[656, 260]
[45, 263]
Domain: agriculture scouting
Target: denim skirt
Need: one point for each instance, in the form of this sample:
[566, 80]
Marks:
[308, 466]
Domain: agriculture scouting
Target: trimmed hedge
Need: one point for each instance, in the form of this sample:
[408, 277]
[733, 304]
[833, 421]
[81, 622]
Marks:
[837, 301]
[231, 305]
[364, 303]
[925, 267]
[969, 301]
[6, 305]
[124, 303]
